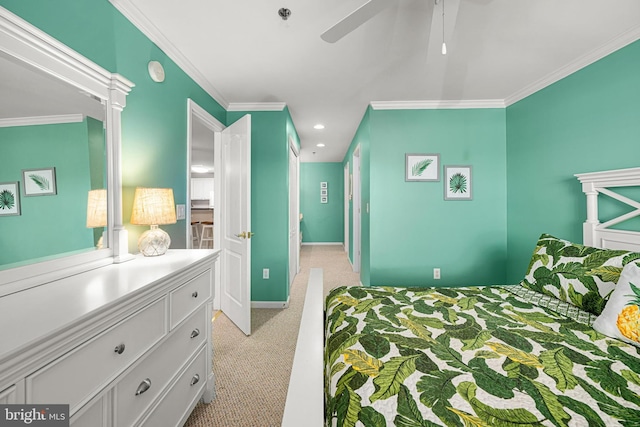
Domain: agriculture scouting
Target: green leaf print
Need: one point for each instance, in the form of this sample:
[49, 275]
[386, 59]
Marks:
[496, 417]
[419, 167]
[375, 345]
[477, 342]
[369, 417]
[559, 367]
[548, 404]
[40, 181]
[348, 408]
[392, 375]
[408, 413]
[436, 386]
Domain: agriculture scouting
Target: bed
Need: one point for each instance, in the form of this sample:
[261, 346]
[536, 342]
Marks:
[526, 355]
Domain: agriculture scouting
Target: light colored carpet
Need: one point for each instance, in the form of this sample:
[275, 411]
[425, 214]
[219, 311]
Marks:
[252, 373]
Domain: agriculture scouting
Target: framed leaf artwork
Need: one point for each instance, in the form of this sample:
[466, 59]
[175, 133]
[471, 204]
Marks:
[457, 183]
[39, 182]
[9, 198]
[422, 167]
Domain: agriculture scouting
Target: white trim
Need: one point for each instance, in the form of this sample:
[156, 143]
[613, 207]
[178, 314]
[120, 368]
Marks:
[600, 235]
[437, 105]
[305, 400]
[30, 45]
[608, 48]
[322, 243]
[256, 106]
[41, 120]
[270, 304]
[137, 18]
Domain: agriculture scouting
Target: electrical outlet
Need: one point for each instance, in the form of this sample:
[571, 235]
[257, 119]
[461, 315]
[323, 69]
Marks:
[436, 273]
[265, 273]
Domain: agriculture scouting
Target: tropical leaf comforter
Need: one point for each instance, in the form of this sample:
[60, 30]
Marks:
[483, 356]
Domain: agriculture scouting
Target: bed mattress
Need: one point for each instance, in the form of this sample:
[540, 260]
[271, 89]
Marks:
[474, 356]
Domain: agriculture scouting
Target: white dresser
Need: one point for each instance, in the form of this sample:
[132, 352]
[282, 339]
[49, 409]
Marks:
[126, 344]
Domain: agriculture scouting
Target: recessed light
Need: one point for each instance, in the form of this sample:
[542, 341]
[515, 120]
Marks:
[320, 145]
[199, 169]
[319, 126]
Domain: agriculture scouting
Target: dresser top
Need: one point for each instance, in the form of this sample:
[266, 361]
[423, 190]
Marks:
[27, 317]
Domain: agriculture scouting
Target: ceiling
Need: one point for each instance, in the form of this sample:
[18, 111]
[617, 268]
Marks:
[499, 51]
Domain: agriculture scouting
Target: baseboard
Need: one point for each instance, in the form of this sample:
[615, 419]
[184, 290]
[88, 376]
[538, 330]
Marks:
[270, 304]
[322, 243]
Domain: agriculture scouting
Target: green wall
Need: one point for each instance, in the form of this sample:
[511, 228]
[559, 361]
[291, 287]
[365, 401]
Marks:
[52, 224]
[270, 133]
[413, 229]
[322, 222]
[586, 122]
[154, 122]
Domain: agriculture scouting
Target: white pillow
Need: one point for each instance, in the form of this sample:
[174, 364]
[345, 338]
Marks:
[621, 316]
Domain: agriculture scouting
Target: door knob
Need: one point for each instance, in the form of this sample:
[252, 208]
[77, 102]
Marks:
[249, 234]
[242, 235]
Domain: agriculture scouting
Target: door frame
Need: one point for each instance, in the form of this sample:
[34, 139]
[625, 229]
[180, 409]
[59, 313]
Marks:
[347, 199]
[357, 209]
[294, 190]
[195, 111]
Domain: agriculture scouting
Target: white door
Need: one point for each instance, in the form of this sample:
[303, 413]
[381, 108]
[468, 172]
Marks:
[294, 214]
[347, 199]
[357, 209]
[235, 244]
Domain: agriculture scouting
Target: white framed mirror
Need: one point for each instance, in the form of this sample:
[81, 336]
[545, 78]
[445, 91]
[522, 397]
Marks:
[60, 135]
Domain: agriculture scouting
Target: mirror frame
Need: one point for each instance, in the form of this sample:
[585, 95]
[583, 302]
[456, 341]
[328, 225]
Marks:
[27, 44]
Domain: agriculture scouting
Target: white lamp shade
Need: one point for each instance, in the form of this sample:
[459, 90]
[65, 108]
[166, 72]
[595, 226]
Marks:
[153, 206]
[97, 208]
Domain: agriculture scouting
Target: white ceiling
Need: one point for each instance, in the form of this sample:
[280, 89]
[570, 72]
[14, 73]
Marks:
[499, 51]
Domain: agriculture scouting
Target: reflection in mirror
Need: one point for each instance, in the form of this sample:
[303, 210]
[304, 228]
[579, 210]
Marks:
[46, 123]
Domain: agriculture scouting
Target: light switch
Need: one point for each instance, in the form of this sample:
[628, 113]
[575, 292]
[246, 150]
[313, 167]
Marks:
[180, 212]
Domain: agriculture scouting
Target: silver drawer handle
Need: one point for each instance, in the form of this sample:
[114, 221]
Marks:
[195, 379]
[195, 333]
[195, 294]
[119, 349]
[144, 386]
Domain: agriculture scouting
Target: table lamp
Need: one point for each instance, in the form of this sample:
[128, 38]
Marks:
[97, 211]
[153, 207]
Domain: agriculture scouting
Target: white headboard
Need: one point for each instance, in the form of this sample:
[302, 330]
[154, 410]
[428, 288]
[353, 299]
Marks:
[600, 235]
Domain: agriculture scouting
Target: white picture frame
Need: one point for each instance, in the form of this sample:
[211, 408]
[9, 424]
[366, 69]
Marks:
[422, 167]
[324, 199]
[458, 183]
[39, 182]
[323, 184]
[10, 198]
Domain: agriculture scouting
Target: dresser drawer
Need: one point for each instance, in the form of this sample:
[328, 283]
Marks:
[188, 297]
[179, 402]
[145, 382]
[8, 396]
[94, 415]
[82, 372]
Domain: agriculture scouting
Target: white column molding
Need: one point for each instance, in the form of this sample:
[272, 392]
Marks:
[118, 90]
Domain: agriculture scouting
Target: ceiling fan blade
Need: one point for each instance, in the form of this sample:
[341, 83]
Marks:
[355, 19]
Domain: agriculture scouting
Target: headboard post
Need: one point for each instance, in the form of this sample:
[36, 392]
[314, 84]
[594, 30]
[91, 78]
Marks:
[605, 235]
[589, 226]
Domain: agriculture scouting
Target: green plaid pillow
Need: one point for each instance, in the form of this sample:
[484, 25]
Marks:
[582, 275]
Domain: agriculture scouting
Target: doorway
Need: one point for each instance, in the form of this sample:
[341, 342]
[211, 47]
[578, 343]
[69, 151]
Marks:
[357, 209]
[294, 211]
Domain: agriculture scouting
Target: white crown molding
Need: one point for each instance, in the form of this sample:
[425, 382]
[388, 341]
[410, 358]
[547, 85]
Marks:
[437, 105]
[608, 48]
[256, 106]
[41, 120]
[140, 21]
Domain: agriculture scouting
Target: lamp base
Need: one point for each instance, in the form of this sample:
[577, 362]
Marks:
[154, 242]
